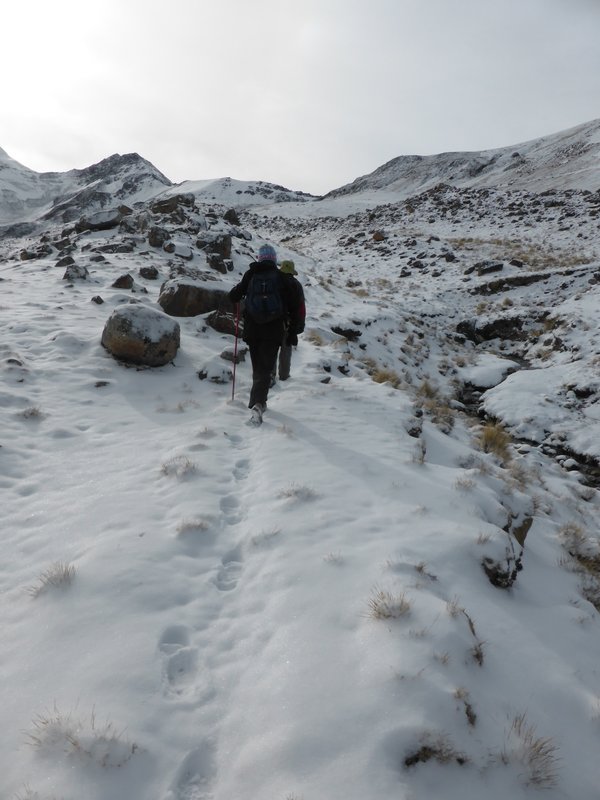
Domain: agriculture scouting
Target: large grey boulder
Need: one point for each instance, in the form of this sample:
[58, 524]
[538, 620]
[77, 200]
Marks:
[100, 220]
[141, 335]
[188, 297]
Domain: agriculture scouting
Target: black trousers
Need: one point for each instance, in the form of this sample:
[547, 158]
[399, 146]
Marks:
[263, 355]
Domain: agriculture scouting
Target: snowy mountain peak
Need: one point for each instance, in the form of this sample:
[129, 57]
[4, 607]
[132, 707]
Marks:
[30, 197]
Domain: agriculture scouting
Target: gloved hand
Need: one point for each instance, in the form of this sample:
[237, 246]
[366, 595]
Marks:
[292, 340]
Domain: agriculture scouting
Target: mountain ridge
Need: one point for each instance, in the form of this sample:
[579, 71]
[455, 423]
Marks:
[536, 165]
[564, 160]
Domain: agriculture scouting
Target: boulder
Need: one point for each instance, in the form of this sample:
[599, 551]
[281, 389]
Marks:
[138, 334]
[219, 243]
[150, 273]
[100, 221]
[231, 216]
[178, 249]
[487, 266]
[217, 262]
[224, 322]
[157, 236]
[230, 354]
[75, 272]
[123, 282]
[40, 252]
[187, 297]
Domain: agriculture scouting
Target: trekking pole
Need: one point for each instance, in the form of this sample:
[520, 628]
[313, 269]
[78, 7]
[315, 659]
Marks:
[235, 347]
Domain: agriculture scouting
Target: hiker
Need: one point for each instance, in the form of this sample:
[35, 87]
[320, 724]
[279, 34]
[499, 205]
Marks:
[271, 311]
[288, 270]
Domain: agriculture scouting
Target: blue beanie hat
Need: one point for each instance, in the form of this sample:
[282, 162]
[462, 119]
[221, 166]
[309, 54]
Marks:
[267, 253]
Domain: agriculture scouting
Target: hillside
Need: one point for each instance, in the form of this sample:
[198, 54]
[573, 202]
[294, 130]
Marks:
[391, 588]
[567, 160]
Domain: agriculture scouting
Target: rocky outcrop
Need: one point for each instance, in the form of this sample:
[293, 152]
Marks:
[138, 334]
[167, 205]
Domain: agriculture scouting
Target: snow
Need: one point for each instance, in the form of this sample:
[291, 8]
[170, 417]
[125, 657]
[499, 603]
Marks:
[489, 371]
[151, 324]
[297, 610]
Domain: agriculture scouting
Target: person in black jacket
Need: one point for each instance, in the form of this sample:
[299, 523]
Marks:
[264, 338]
[288, 270]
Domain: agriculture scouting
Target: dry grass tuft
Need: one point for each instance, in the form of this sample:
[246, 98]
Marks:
[192, 526]
[179, 467]
[454, 607]
[337, 559]
[464, 484]
[58, 576]
[494, 439]
[462, 695]
[33, 412]
[264, 537]
[537, 755]
[57, 733]
[387, 376]
[384, 604]
[314, 337]
[296, 492]
[427, 390]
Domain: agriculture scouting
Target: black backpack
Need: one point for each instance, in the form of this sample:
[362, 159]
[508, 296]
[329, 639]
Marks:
[264, 302]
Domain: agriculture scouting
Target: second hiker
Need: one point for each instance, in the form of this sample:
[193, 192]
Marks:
[272, 311]
[290, 338]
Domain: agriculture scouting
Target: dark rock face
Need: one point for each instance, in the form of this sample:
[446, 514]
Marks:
[485, 267]
[501, 328]
[187, 298]
[150, 273]
[141, 335]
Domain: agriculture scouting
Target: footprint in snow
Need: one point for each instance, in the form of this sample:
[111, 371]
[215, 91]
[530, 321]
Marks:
[180, 662]
[241, 469]
[230, 506]
[229, 572]
[195, 776]
[235, 440]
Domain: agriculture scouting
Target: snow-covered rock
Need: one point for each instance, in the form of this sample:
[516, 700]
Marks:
[141, 335]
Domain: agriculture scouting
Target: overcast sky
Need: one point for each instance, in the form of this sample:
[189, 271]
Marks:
[306, 93]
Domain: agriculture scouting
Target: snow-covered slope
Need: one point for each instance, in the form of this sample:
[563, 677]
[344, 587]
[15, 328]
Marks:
[570, 159]
[390, 589]
[240, 194]
[26, 196]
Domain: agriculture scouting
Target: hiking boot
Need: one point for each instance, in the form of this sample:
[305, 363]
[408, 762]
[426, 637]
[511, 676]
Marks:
[257, 414]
